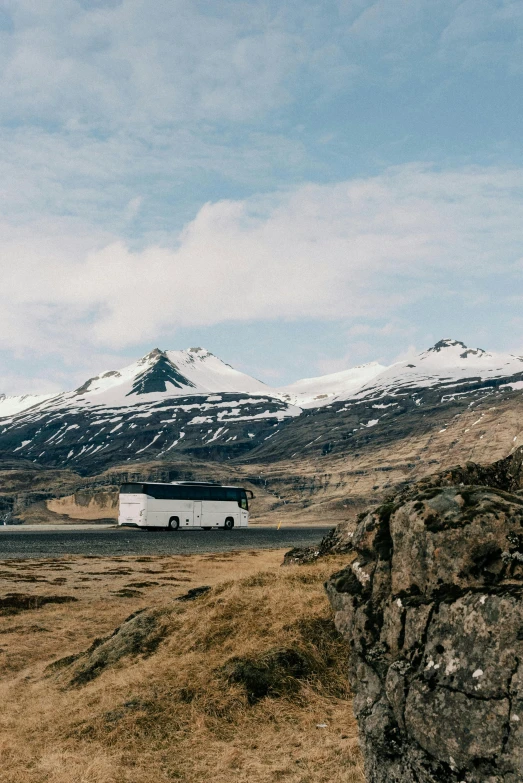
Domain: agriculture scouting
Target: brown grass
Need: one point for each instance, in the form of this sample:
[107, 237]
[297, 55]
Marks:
[182, 711]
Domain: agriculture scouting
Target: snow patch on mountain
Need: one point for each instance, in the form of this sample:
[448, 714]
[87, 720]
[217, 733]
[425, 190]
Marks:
[165, 375]
[211, 374]
[192, 401]
[10, 406]
[325, 389]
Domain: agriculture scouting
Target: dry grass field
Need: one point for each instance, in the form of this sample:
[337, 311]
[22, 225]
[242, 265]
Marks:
[244, 683]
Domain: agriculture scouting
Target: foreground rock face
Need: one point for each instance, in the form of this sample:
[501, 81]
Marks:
[432, 608]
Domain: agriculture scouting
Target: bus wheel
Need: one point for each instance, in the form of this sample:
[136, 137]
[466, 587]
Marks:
[174, 523]
[229, 523]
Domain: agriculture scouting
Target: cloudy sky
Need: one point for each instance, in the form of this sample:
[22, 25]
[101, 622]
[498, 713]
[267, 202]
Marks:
[298, 186]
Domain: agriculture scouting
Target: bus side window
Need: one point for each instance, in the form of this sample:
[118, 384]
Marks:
[243, 501]
[201, 493]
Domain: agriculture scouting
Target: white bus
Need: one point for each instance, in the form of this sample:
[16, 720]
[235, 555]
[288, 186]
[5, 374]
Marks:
[182, 504]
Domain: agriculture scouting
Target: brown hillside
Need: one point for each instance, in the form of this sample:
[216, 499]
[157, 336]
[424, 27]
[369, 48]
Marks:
[299, 481]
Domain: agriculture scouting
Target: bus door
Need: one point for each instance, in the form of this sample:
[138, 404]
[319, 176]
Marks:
[201, 507]
[197, 519]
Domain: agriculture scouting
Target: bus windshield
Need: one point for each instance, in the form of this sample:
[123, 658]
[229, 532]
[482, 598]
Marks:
[131, 489]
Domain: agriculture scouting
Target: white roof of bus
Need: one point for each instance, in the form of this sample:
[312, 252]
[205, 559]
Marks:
[185, 484]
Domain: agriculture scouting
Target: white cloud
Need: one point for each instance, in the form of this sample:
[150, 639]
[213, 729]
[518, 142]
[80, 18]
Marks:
[105, 102]
[119, 118]
[357, 249]
[132, 209]
[44, 175]
[14, 384]
[133, 65]
[472, 34]
[141, 63]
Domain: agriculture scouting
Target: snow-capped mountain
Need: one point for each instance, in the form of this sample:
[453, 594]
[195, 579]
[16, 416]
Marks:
[448, 363]
[416, 398]
[190, 399]
[191, 403]
[163, 374]
[316, 392]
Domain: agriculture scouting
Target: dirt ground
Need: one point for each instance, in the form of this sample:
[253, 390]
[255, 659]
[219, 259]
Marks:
[246, 682]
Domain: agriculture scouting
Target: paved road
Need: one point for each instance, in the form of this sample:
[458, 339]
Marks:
[21, 543]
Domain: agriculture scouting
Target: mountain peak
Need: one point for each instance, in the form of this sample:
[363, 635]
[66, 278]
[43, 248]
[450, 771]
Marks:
[318, 391]
[156, 377]
[168, 373]
[198, 353]
[447, 342]
[464, 352]
[152, 356]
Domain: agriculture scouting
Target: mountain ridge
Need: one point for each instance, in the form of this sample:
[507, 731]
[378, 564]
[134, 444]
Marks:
[157, 368]
[192, 403]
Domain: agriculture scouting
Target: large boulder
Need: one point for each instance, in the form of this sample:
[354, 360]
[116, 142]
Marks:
[432, 609]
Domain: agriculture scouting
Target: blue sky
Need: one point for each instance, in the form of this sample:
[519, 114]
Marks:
[299, 187]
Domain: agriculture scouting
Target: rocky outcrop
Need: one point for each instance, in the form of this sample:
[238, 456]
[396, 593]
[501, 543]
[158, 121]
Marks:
[336, 542]
[505, 474]
[139, 634]
[87, 504]
[432, 608]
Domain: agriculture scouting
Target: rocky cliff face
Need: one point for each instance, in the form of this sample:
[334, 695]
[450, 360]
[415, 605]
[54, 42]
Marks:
[432, 608]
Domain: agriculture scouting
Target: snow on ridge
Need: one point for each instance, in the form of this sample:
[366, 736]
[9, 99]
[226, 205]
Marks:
[447, 363]
[161, 376]
[324, 389]
[192, 372]
[210, 374]
[155, 377]
[10, 406]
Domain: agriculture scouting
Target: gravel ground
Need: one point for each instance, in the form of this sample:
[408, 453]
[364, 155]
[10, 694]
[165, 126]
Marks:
[19, 543]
